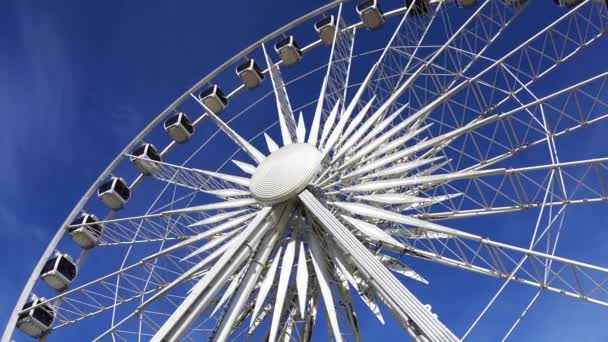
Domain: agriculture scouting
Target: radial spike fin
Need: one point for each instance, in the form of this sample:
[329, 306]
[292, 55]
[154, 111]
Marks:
[302, 279]
[230, 178]
[227, 193]
[411, 181]
[382, 126]
[320, 267]
[211, 244]
[214, 255]
[358, 134]
[232, 223]
[398, 142]
[356, 120]
[286, 267]
[272, 146]
[382, 214]
[401, 168]
[401, 268]
[237, 203]
[316, 121]
[301, 132]
[372, 231]
[245, 167]
[329, 124]
[219, 217]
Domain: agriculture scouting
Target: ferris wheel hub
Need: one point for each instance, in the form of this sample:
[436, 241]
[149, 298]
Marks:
[285, 173]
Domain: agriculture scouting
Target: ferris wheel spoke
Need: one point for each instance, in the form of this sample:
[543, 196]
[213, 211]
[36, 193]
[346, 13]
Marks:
[441, 141]
[97, 297]
[322, 275]
[521, 316]
[212, 282]
[347, 310]
[565, 112]
[287, 120]
[334, 86]
[429, 135]
[469, 251]
[341, 59]
[501, 191]
[378, 114]
[149, 228]
[567, 277]
[156, 228]
[456, 38]
[591, 13]
[249, 282]
[197, 179]
[344, 271]
[378, 69]
[410, 31]
[281, 295]
[196, 271]
[400, 301]
[288, 329]
[329, 123]
[464, 47]
[256, 155]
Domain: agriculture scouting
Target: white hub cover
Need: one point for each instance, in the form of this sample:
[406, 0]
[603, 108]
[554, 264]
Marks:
[285, 173]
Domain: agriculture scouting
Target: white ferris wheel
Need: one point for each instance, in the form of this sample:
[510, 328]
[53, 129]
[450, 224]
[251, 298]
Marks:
[311, 188]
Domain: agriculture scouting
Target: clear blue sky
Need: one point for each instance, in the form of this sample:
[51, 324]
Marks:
[79, 79]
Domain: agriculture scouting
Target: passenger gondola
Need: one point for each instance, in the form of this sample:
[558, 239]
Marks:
[143, 159]
[371, 14]
[214, 99]
[36, 321]
[114, 193]
[326, 28]
[85, 231]
[515, 3]
[421, 7]
[250, 74]
[179, 127]
[567, 3]
[466, 3]
[59, 272]
[288, 50]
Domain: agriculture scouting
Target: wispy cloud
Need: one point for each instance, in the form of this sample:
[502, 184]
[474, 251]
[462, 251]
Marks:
[37, 94]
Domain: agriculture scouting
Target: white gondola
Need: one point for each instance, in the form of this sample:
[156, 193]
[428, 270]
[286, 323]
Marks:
[142, 157]
[326, 28]
[371, 14]
[288, 50]
[179, 127]
[421, 7]
[36, 322]
[250, 74]
[85, 231]
[214, 98]
[59, 272]
[114, 193]
[515, 3]
[466, 3]
[568, 3]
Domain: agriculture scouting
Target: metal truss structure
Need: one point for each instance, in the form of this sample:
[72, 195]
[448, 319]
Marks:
[323, 207]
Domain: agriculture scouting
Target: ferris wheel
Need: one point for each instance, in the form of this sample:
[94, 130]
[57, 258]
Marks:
[307, 182]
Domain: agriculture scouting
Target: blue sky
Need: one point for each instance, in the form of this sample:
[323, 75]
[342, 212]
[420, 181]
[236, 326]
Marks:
[79, 79]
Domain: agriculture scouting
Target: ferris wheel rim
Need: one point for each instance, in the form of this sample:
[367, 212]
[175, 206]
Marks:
[155, 122]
